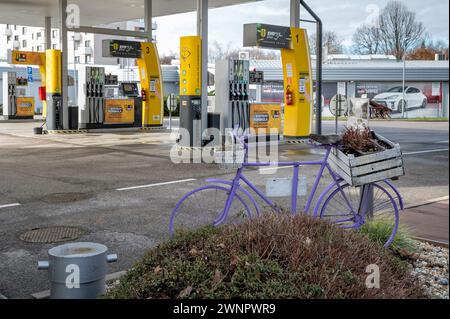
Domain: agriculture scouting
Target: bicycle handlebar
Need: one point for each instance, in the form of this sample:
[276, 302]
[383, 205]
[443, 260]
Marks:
[243, 139]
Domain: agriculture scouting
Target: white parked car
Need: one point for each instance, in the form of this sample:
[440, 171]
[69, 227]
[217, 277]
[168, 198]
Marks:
[393, 99]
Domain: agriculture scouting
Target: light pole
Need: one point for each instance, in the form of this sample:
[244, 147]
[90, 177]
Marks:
[404, 104]
[403, 86]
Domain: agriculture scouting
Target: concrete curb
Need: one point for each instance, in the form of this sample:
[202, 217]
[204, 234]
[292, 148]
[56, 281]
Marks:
[427, 202]
[46, 294]
[432, 242]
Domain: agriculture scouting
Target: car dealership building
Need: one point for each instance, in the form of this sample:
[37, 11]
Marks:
[371, 76]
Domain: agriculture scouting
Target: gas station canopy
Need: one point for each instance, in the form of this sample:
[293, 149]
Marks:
[97, 12]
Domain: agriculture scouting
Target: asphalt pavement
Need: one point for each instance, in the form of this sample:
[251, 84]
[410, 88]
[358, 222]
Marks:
[121, 187]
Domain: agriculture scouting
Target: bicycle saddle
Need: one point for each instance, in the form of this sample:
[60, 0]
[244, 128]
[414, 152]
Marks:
[326, 139]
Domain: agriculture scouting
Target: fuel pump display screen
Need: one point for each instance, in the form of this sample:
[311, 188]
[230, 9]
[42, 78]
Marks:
[129, 89]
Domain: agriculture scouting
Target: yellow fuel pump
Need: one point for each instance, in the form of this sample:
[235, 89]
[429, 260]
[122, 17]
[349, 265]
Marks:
[298, 82]
[298, 86]
[24, 106]
[54, 114]
[191, 89]
[152, 91]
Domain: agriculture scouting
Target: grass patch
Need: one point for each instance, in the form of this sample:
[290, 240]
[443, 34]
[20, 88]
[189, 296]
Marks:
[276, 256]
[379, 232]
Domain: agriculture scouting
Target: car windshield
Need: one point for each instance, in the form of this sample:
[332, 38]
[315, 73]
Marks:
[398, 89]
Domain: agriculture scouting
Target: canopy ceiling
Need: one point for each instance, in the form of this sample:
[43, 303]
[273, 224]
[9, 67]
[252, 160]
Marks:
[97, 12]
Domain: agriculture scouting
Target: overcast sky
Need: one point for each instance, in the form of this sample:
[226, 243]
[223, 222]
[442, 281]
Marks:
[343, 17]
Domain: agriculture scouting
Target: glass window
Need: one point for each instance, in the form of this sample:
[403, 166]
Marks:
[413, 90]
[87, 43]
[397, 89]
[24, 30]
[24, 43]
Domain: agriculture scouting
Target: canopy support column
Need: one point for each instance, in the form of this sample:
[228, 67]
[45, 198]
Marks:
[202, 30]
[64, 62]
[149, 20]
[48, 33]
[295, 14]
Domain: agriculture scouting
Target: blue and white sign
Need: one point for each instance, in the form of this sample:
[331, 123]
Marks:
[30, 74]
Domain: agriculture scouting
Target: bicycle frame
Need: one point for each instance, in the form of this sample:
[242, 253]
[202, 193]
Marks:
[236, 183]
[360, 214]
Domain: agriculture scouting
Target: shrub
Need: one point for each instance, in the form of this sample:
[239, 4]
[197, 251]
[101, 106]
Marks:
[272, 257]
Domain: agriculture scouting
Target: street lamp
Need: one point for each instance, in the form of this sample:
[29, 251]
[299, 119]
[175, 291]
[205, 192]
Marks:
[404, 104]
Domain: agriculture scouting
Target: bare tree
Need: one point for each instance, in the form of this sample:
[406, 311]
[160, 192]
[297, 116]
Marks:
[166, 59]
[400, 32]
[331, 42]
[367, 40]
[218, 51]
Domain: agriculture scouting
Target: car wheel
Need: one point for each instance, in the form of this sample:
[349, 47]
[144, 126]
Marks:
[424, 103]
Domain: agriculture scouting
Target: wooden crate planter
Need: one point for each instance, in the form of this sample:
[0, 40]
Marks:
[369, 168]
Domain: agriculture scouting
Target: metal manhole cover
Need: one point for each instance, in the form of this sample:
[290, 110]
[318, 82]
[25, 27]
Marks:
[63, 198]
[52, 235]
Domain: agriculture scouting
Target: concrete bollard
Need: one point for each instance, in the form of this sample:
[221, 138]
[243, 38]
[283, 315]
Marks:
[77, 270]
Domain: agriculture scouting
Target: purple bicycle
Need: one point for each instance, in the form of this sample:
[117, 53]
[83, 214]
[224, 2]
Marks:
[349, 207]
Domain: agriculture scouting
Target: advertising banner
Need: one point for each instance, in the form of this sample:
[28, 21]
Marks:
[26, 58]
[416, 100]
[119, 111]
[25, 107]
[265, 117]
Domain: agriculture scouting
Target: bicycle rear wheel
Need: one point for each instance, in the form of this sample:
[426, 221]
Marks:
[359, 207]
[205, 207]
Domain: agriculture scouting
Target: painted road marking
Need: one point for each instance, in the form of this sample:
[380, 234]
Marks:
[156, 185]
[9, 205]
[426, 152]
[442, 142]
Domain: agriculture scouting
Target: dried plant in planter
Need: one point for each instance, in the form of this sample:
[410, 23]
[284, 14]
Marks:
[379, 111]
[361, 141]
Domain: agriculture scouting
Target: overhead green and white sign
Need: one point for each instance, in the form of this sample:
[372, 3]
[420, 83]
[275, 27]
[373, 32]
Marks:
[267, 36]
[122, 49]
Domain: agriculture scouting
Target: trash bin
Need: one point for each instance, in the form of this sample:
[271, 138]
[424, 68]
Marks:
[77, 270]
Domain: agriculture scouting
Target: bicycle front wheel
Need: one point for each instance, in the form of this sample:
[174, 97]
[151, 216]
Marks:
[371, 208]
[206, 207]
